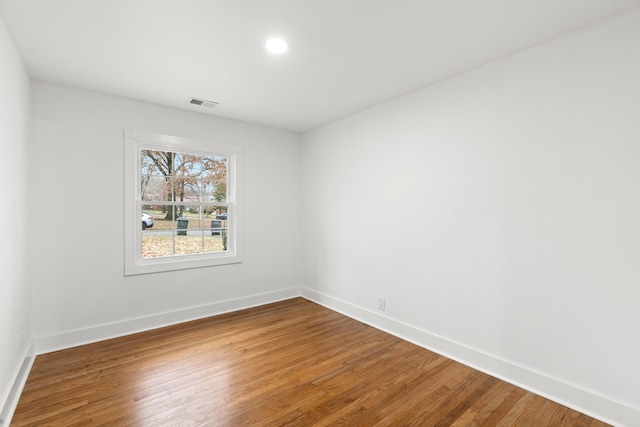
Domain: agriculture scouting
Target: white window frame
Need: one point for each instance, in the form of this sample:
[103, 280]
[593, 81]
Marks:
[134, 141]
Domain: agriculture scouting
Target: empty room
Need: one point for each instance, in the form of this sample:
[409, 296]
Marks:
[320, 212]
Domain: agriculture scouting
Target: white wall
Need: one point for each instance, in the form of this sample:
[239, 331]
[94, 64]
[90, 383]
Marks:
[499, 214]
[15, 293]
[80, 291]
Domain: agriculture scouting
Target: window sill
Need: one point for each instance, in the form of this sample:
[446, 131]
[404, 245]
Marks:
[174, 263]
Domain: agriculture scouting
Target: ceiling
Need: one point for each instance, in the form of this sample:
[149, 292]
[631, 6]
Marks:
[344, 55]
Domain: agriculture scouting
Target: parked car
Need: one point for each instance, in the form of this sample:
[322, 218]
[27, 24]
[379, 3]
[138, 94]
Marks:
[223, 215]
[147, 221]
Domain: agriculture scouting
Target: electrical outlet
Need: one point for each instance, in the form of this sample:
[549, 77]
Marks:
[381, 303]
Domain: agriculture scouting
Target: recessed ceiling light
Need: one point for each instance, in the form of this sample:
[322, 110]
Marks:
[276, 45]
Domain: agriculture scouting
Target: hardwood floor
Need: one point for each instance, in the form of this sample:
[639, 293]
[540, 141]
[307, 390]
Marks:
[289, 363]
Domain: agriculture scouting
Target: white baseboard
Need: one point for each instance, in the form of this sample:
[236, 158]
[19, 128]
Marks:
[9, 406]
[591, 404]
[47, 344]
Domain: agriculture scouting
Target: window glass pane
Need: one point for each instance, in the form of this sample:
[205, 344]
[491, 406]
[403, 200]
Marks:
[216, 226]
[207, 190]
[221, 212]
[148, 220]
[186, 189]
[157, 239]
[162, 216]
[192, 215]
[153, 188]
[188, 242]
[215, 240]
[220, 192]
[156, 163]
[157, 244]
[177, 164]
[191, 165]
[214, 178]
[217, 233]
[179, 221]
[208, 213]
[161, 165]
[214, 166]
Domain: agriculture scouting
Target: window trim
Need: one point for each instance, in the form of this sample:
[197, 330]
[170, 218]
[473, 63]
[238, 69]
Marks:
[134, 141]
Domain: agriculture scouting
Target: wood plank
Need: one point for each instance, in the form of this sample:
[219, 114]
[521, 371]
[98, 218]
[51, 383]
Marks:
[289, 363]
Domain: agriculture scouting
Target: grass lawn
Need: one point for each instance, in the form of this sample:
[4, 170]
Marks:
[155, 246]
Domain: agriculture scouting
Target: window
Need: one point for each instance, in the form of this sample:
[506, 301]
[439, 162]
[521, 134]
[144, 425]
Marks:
[181, 203]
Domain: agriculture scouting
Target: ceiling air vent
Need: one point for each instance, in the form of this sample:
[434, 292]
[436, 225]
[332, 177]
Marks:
[203, 102]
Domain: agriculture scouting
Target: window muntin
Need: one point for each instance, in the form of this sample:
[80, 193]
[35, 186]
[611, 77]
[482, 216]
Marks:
[191, 191]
